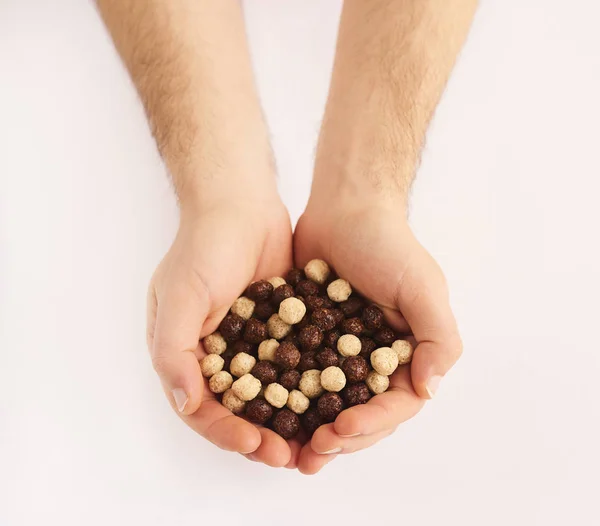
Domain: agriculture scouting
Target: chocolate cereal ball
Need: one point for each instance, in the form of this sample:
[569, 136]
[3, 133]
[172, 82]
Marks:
[367, 346]
[355, 368]
[256, 331]
[356, 394]
[231, 327]
[330, 405]
[318, 302]
[385, 337]
[242, 346]
[260, 290]
[287, 355]
[311, 420]
[294, 276]
[286, 424]
[263, 310]
[310, 337]
[308, 361]
[283, 292]
[331, 338]
[265, 372]
[324, 319]
[352, 306]
[258, 411]
[353, 326]
[373, 317]
[307, 288]
[327, 358]
[289, 379]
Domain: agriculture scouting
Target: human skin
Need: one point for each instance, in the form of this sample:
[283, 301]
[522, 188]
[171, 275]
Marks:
[190, 63]
[392, 62]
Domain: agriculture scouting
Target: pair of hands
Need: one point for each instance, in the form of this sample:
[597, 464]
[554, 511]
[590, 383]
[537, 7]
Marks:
[222, 246]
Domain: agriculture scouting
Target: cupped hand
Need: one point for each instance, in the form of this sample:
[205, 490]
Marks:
[369, 243]
[218, 250]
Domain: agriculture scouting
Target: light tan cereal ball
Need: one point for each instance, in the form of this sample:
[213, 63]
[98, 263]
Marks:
[276, 395]
[243, 307]
[215, 343]
[310, 383]
[277, 328]
[404, 350]
[317, 270]
[349, 345]
[211, 364]
[276, 282]
[384, 360]
[377, 383]
[333, 379]
[246, 388]
[339, 290]
[298, 402]
[233, 403]
[242, 364]
[292, 310]
[220, 382]
[267, 350]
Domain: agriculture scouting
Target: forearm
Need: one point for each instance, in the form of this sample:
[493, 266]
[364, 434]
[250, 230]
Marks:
[393, 60]
[190, 63]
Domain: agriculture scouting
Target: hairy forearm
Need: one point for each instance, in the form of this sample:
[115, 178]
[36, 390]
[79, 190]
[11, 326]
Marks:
[190, 63]
[393, 60]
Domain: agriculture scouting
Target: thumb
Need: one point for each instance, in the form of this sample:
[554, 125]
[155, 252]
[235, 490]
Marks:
[423, 299]
[180, 314]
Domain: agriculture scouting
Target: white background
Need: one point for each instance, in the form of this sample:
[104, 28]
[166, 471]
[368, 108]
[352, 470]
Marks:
[507, 200]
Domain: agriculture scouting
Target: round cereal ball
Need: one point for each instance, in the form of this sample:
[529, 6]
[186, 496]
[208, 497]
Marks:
[385, 337]
[310, 337]
[233, 403]
[324, 319]
[294, 276]
[404, 350]
[333, 379]
[292, 310]
[339, 290]
[317, 270]
[290, 379]
[246, 387]
[307, 288]
[259, 411]
[263, 310]
[352, 306]
[231, 327]
[310, 383]
[286, 424]
[220, 382]
[308, 361]
[267, 350]
[276, 395]
[315, 302]
[242, 346]
[311, 420]
[356, 369]
[265, 372]
[372, 317]
[328, 357]
[356, 394]
[211, 364]
[281, 293]
[348, 345]
[384, 360]
[377, 383]
[287, 355]
[256, 331]
[298, 402]
[367, 346]
[259, 290]
[331, 338]
[241, 364]
[243, 307]
[214, 343]
[330, 405]
[277, 328]
[276, 282]
[353, 326]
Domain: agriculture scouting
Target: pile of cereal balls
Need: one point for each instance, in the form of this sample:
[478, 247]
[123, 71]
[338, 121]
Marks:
[293, 353]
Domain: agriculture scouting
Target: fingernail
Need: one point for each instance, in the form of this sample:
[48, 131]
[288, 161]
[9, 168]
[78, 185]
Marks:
[331, 451]
[350, 436]
[433, 385]
[181, 399]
